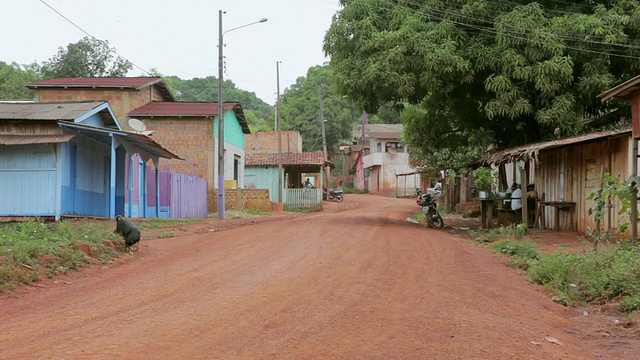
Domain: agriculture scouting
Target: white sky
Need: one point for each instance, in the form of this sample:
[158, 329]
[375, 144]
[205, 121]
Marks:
[179, 37]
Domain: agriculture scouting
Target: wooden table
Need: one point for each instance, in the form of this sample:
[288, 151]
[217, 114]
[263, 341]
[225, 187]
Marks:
[486, 211]
[568, 206]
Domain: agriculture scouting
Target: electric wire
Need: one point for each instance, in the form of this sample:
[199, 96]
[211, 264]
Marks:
[93, 37]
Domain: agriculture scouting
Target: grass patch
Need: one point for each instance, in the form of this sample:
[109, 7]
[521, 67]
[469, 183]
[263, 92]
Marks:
[255, 212]
[304, 209]
[30, 250]
[151, 224]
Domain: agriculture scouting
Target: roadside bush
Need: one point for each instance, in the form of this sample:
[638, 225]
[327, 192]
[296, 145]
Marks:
[554, 271]
[31, 249]
[523, 253]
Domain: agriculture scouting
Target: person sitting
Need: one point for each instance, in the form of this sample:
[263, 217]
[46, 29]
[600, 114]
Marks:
[516, 200]
[516, 197]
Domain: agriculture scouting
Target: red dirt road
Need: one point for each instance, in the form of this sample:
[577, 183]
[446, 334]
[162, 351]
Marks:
[356, 281]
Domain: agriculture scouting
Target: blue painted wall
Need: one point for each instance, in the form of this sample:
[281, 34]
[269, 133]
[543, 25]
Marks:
[265, 178]
[85, 180]
[28, 180]
[232, 130]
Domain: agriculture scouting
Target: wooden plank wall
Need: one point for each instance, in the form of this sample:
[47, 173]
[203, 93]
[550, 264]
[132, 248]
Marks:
[571, 173]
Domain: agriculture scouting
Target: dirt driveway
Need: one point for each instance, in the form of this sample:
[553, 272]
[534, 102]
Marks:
[356, 281]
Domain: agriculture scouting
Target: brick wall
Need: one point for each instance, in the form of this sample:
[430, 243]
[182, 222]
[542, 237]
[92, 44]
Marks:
[121, 101]
[267, 141]
[189, 138]
[257, 199]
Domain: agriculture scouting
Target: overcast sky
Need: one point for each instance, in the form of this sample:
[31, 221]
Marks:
[179, 37]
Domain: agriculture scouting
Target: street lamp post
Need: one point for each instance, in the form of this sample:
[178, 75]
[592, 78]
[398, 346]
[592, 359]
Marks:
[221, 112]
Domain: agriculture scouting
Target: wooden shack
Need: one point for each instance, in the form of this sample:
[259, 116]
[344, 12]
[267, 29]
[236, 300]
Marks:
[567, 170]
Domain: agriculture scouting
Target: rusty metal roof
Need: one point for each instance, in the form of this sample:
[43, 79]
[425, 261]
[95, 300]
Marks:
[12, 139]
[181, 109]
[269, 159]
[135, 83]
[143, 141]
[48, 110]
[531, 151]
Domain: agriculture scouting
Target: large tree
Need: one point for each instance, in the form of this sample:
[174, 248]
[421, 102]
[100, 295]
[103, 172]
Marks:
[13, 78]
[89, 57]
[477, 72]
[301, 104]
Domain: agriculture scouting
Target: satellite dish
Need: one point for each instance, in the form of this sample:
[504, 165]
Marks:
[137, 125]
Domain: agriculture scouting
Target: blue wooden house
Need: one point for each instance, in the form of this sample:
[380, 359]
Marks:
[70, 158]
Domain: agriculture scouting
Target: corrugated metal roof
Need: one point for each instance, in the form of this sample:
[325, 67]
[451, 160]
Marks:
[46, 111]
[161, 108]
[136, 83]
[531, 151]
[267, 159]
[141, 140]
[34, 139]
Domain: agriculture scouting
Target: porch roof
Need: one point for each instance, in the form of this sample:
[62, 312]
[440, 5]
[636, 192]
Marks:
[305, 159]
[133, 142]
[531, 151]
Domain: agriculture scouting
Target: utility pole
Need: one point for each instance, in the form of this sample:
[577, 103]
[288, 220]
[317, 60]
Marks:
[324, 137]
[278, 121]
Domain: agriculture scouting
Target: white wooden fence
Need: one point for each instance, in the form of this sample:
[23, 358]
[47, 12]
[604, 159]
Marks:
[302, 197]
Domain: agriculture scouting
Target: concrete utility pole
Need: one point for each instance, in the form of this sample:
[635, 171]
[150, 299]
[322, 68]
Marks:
[324, 138]
[278, 120]
[221, 204]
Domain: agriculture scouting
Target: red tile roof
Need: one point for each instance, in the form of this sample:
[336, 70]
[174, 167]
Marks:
[136, 83]
[179, 109]
[267, 159]
[161, 108]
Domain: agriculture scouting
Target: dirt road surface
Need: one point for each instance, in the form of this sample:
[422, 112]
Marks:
[356, 281]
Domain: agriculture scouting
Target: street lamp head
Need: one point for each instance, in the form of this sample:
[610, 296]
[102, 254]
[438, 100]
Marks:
[263, 20]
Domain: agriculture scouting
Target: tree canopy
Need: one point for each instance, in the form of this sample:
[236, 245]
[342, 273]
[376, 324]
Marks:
[89, 57]
[475, 72]
[301, 103]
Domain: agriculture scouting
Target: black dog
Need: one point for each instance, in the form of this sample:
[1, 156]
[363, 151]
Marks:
[128, 231]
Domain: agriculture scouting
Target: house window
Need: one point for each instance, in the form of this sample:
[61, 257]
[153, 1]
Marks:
[379, 147]
[393, 147]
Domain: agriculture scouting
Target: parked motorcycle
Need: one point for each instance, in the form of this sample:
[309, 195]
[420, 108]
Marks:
[429, 207]
[337, 195]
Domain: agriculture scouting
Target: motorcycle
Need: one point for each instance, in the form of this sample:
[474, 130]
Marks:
[337, 195]
[429, 207]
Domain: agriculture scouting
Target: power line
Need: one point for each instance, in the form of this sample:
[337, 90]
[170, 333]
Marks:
[93, 37]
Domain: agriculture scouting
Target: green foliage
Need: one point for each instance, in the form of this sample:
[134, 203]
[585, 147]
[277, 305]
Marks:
[516, 69]
[611, 190]
[259, 114]
[595, 276]
[89, 57]
[13, 79]
[301, 111]
[485, 177]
